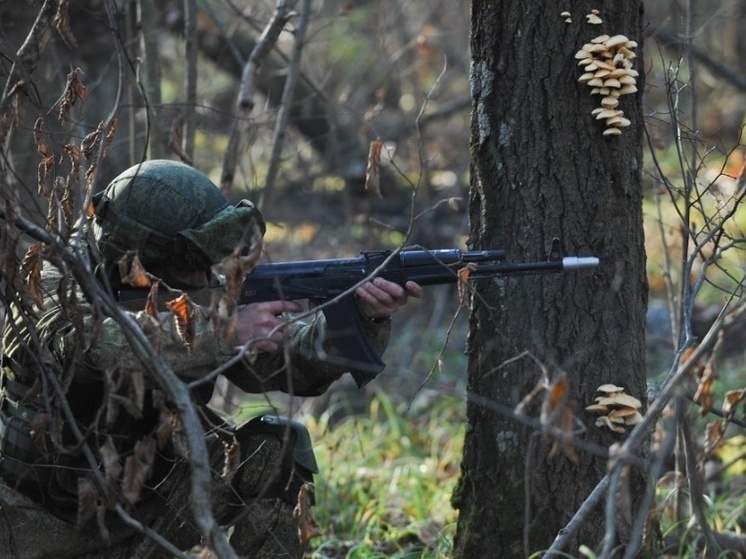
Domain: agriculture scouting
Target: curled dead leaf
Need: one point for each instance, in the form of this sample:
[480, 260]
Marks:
[137, 469]
[732, 399]
[87, 501]
[74, 91]
[31, 269]
[132, 271]
[232, 459]
[307, 527]
[176, 140]
[372, 171]
[183, 311]
[62, 24]
[463, 284]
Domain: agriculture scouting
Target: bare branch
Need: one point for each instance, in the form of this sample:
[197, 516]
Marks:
[245, 101]
[191, 48]
[24, 65]
[668, 38]
[283, 113]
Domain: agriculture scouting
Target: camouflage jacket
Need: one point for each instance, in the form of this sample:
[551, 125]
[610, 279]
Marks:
[73, 349]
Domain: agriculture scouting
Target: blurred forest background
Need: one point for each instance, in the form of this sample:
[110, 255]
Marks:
[396, 72]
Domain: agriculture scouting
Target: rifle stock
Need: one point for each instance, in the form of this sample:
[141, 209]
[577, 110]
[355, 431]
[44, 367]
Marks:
[330, 282]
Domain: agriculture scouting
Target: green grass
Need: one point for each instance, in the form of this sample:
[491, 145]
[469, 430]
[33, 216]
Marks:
[387, 478]
[386, 481]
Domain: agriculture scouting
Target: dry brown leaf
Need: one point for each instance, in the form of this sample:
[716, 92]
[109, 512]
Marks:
[732, 399]
[553, 404]
[62, 24]
[87, 501]
[232, 454]
[135, 393]
[741, 178]
[132, 271]
[95, 149]
[652, 536]
[372, 171]
[713, 436]
[176, 138]
[165, 427]
[307, 527]
[31, 270]
[41, 145]
[151, 303]
[234, 268]
[454, 203]
[38, 427]
[90, 144]
[137, 469]
[73, 152]
[74, 91]
[103, 531]
[463, 284]
[43, 170]
[183, 312]
[153, 330]
[704, 396]
[112, 467]
[169, 429]
[557, 419]
[568, 449]
[67, 200]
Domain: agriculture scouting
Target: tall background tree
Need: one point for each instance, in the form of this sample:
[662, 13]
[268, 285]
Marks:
[542, 168]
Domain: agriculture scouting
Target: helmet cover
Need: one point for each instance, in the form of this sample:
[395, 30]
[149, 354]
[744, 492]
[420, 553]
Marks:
[171, 215]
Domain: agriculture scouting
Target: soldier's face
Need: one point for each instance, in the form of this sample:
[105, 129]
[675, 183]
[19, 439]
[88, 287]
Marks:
[189, 279]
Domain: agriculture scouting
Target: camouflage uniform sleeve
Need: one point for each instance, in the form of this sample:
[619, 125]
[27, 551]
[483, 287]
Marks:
[301, 367]
[95, 343]
[205, 350]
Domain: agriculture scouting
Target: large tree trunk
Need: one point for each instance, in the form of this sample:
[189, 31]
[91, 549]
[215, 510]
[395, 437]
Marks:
[542, 168]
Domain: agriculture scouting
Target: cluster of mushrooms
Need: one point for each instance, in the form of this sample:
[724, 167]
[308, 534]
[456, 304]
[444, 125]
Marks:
[592, 18]
[607, 70]
[616, 408]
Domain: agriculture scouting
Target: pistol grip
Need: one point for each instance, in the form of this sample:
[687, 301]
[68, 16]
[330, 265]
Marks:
[347, 342]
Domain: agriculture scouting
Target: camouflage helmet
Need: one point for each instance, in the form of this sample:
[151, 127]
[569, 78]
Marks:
[171, 215]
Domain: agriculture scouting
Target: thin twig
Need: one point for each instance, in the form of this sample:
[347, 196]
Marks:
[284, 110]
[191, 51]
[578, 518]
[25, 62]
[245, 101]
[151, 61]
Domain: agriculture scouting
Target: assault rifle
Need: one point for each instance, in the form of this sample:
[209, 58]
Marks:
[329, 282]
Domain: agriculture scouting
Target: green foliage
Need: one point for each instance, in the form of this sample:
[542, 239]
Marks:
[386, 480]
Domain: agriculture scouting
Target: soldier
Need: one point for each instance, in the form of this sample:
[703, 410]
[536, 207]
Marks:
[74, 393]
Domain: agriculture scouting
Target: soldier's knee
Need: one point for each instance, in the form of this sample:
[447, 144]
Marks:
[277, 459]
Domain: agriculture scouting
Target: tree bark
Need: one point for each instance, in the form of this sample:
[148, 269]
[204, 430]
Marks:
[541, 168]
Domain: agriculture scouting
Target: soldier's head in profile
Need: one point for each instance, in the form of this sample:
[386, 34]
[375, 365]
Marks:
[173, 217]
